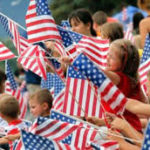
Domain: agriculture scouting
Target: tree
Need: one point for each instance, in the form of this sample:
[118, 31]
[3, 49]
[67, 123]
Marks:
[61, 8]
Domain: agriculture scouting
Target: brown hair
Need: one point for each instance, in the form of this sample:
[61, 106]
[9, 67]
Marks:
[9, 106]
[43, 96]
[144, 4]
[130, 58]
[99, 17]
[112, 30]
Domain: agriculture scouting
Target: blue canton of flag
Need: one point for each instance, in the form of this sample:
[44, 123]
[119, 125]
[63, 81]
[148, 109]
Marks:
[65, 24]
[89, 70]
[55, 63]
[42, 10]
[4, 22]
[64, 118]
[146, 143]
[67, 40]
[10, 77]
[58, 85]
[76, 36]
[48, 83]
[146, 52]
[36, 142]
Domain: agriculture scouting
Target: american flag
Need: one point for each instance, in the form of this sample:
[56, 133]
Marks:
[53, 129]
[40, 23]
[15, 91]
[79, 138]
[56, 66]
[68, 42]
[56, 87]
[128, 35]
[11, 29]
[33, 59]
[105, 145]
[146, 143]
[59, 91]
[48, 83]
[95, 49]
[65, 24]
[108, 91]
[81, 98]
[31, 141]
[5, 53]
[145, 61]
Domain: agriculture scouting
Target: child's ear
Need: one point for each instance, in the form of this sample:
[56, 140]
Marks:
[45, 106]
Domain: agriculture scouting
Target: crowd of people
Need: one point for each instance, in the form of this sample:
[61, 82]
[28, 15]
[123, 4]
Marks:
[123, 60]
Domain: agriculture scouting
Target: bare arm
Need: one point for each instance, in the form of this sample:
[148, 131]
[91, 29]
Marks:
[137, 107]
[123, 145]
[126, 129]
[112, 76]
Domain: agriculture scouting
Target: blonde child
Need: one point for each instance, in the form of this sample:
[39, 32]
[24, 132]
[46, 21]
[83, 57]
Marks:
[112, 31]
[9, 111]
[40, 103]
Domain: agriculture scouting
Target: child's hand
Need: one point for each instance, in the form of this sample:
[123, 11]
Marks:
[95, 120]
[66, 60]
[3, 140]
[12, 137]
[118, 124]
[114, 135]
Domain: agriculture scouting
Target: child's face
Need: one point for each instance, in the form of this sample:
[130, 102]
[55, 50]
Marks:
[36, 108]
[113, 59]
[79, 27]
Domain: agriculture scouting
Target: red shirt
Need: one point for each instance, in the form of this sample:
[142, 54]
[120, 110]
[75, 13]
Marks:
[13, 128]
[128, 91]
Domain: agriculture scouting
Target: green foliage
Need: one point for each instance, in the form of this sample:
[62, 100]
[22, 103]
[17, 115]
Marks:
[62, 8]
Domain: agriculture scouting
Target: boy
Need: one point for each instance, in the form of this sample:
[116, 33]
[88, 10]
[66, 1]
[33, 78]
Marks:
[40, 103]
[9, 111]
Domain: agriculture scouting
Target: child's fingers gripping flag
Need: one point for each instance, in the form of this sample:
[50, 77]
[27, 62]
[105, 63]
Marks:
[109, 92]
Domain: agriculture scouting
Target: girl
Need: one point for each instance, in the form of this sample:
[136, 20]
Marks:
[81, 22]
[122, 67]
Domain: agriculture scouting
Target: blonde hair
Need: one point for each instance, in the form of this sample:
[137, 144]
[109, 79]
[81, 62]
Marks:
[43, 96]
[9, 106]
[130, 58]
[112, 31]
[144, 4]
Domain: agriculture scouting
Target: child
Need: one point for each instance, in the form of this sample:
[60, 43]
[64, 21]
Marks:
[40, 103]
[99, 18]
[112, 31]
[9, 111]
[81, 22]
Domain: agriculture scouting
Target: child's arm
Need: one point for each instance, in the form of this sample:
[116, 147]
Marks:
[3, 140]
[126, 129]
[123, 145]
[138, 108]
[13, 137]
[112, 76]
